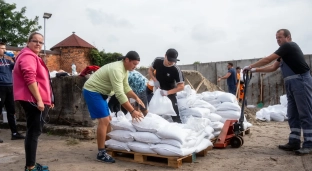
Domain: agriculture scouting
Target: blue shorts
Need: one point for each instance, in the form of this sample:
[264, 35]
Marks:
[97, 106]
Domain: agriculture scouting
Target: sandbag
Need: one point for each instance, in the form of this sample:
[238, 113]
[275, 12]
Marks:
[205, 143]
[140, 147]
[150, 123]
[161, 105]
[145, 137]
[283, 100]
[186, 144]
[230, 114]
[169, 150]
[172, 131]
[116, 145]
[217, 126]
[208, 130]
[216, 133]
[225, 106]
[196, 112]
[213, 117]
[121, 135]
[227, 97]
[122, 123]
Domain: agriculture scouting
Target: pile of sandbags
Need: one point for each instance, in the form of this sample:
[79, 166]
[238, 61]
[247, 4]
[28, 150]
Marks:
[155, 135]
[216, 106]
[274, 113]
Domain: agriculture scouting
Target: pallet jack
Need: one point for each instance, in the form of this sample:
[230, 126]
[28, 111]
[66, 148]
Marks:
[232, 129]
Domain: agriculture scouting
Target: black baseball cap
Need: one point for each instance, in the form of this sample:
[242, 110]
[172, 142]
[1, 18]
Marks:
[132, 55]
[172, 55]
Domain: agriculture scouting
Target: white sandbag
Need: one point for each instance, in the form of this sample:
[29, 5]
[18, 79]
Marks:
[189, 91]
[197, 124]
[217, 126]
[209, 130]
[230, 114]
[227, 97]
[213, 117]
[247, 125]
[116, 145]
[205, 143]
[211, 136]
[150, 123]
[263, 115]
[196, 112]
[200, 138]
[169, 150]
[181, 95]
[215, 103]
[209, 96]
[53, 74]
[161, 105]
[186, 144]
[173, 131]
[146, 137]
[121, 135]
[283, 100]
[182, 104]
[216, 133]
[195, 102]
[225, 106]
[122, 123]
[140, 147]
[157, 118]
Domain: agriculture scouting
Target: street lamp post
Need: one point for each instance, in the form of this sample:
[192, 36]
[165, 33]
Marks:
[45, 16]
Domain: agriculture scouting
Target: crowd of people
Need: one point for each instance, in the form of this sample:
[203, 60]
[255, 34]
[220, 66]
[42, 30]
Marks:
[118, 81]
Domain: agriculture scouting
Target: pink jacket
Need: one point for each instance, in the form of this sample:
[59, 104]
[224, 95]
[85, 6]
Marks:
[30, 68]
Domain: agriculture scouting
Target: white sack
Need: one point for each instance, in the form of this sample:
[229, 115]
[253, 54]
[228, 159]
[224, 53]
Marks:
[121, 135]
[230, 114]
[173, 131]
[225, 106]
[161, 105]
[205, 143]
[227, 97]
[122, 123]
[116, 145]
[169, 150]
[283, 100]
[140, 147]
[196, 112]
[217, 126]
[216, 133]
[213, 117]
[209, 130]
[146, 137]
[150, 123]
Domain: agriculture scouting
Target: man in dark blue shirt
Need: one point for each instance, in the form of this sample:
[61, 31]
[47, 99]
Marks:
[231, 78]
[6, 90]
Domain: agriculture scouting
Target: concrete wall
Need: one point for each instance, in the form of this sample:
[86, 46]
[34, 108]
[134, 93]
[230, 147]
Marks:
[273, 85]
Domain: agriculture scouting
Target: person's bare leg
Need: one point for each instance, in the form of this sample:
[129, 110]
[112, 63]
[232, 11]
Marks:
[103, 124]
[109, 129]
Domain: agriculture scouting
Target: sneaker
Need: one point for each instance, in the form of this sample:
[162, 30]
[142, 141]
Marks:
[1, 141]
[289, 147]
[303, 151]
[104, 157]
[17, 136]
[38, 167]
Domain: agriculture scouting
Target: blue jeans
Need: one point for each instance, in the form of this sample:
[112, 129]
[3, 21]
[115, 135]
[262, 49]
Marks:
[299, 111]
[232, 89]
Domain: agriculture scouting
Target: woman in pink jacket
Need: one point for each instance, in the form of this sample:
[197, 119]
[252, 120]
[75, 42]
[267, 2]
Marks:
[32, 88]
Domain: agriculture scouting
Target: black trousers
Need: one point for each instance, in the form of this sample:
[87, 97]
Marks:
[173, 98]
[35, 121]
[7, 100]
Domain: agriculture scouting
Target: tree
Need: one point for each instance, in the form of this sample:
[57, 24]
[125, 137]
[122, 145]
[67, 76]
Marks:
[196, 62]
[101, 58]
[14, 25]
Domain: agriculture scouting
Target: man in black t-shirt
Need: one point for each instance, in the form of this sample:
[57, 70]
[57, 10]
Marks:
[298, 84]
[168, 78]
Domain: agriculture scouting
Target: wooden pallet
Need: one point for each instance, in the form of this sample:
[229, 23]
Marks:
[155, 159]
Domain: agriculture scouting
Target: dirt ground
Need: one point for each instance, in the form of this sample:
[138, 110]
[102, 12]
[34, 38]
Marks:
[259, 152]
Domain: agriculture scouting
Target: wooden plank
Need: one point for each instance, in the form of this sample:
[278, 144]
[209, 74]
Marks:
[155, 159]
[199, 85]
[189, 83]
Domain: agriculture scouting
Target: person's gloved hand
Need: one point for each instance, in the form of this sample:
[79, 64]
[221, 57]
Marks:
[246, 68]
[164, 92]
[156, 84]
[253, 70]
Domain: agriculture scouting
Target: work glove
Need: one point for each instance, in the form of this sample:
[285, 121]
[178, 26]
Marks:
[164, 92]
[246, 68]
[156, 84]
[253, 70]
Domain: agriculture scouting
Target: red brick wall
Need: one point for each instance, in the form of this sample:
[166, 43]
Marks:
[70, 55]
[53, 62]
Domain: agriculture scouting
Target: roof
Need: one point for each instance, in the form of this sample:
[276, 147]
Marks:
[13, 48]
[73, 41]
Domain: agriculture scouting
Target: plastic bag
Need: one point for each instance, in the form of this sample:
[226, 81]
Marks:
[283, 100]
[161, 105]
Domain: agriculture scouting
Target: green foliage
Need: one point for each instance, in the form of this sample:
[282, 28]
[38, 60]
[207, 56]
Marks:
[196, 62]
[101, 58]
[14, 26]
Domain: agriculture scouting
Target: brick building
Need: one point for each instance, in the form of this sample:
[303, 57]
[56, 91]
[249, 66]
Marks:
[73, 49]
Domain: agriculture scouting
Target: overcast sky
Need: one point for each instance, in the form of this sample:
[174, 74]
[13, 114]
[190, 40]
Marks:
[200, 30]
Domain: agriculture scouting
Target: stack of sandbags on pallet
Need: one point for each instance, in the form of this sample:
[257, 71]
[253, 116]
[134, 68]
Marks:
[154, 134]
[276, 112]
